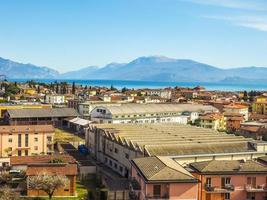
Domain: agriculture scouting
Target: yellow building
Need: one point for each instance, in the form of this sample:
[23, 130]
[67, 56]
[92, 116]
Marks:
[29, 91]
[26, 140]
[212, 120]
[4, 107]
[260, 105]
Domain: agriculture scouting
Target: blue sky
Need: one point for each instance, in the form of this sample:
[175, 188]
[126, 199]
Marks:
[71, 34]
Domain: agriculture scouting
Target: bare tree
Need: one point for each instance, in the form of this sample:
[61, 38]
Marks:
[47, 183]
[5, 177]
[6, 193]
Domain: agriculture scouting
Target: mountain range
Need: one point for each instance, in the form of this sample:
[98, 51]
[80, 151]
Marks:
[152, 68]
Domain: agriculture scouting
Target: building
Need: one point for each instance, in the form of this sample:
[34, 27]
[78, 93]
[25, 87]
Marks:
[54, 116]
[255, 130]
[4, 107]
[163, 93]
[26, 140]
[260, 105]
[35, 165]
[161, 178]
[54, 99]
[237, 108]
[230, 179]
[212, 120]
[115, 144]
[147, 113]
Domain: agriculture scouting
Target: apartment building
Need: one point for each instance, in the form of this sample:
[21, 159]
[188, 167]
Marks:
[148, 113]
[230, 180]
[26, 140]
[115, 145]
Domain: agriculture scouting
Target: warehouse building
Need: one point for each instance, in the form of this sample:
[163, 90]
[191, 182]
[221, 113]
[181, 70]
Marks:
[116, 144]
[149, 113]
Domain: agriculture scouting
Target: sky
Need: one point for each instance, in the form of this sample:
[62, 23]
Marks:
[71, 34]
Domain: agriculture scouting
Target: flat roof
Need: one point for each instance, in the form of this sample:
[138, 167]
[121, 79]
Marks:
[174, 139]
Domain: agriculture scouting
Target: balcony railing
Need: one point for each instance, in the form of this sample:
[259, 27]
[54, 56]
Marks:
[256, 188]
[219, 189]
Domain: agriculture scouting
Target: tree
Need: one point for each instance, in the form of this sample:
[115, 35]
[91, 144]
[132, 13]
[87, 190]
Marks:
[47, 183]
[73, 88]
[6, 193]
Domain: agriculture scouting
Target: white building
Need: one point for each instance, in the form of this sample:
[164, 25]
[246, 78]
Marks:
[239, 109]
[54, 99]
[147, 113]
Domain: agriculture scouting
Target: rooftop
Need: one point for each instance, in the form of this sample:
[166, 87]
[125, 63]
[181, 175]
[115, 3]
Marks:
[47, 112]
[132, 108]
[228, 166]
[174, 139]
[27, 128]
[162, 169]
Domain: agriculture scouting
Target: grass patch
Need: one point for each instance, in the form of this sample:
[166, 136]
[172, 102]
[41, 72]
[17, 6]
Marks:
[63, 136]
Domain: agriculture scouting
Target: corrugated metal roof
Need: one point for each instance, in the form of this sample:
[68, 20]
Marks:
[132, 108]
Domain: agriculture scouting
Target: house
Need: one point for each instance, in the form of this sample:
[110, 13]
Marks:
[26, 140]
[233, 121]
[230, 179]
[36, 165]
[147, 113]
[237, 108]
[255, 130]
[212, 120]
[161, 178]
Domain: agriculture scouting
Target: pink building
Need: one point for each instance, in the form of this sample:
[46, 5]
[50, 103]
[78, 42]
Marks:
[162, 178]
[231, 180]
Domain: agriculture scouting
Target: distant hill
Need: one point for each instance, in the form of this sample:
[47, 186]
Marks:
[18, 70]
[153, 68]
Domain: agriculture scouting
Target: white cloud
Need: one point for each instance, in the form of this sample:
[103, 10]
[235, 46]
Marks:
[258, 22]
[257, 5]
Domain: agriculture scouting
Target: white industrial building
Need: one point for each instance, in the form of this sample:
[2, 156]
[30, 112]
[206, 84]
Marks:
[149, 113]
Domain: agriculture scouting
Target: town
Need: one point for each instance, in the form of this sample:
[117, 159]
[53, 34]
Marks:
[62, 140]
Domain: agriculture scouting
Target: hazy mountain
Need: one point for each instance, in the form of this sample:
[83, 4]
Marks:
[153, 68]
[18, 70]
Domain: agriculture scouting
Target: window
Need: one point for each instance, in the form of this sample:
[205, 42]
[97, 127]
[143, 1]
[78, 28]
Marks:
[121, 169]
[26, 140]
[9, 139]
[156, 190]
[19, 152]
[227, 196]
[226, 181]
[49, 138]
[208, 182]
[116, 150]
[110, 162]
[36, 139]
[115, 165]
[251, 181]
[36, 148]
[19, 140]
[26, 152]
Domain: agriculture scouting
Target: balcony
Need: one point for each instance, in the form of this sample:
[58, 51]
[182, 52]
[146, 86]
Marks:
[219, 189]
[157, 197]
[256, 188]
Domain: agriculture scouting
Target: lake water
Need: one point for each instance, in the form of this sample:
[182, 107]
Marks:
[149, 84]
